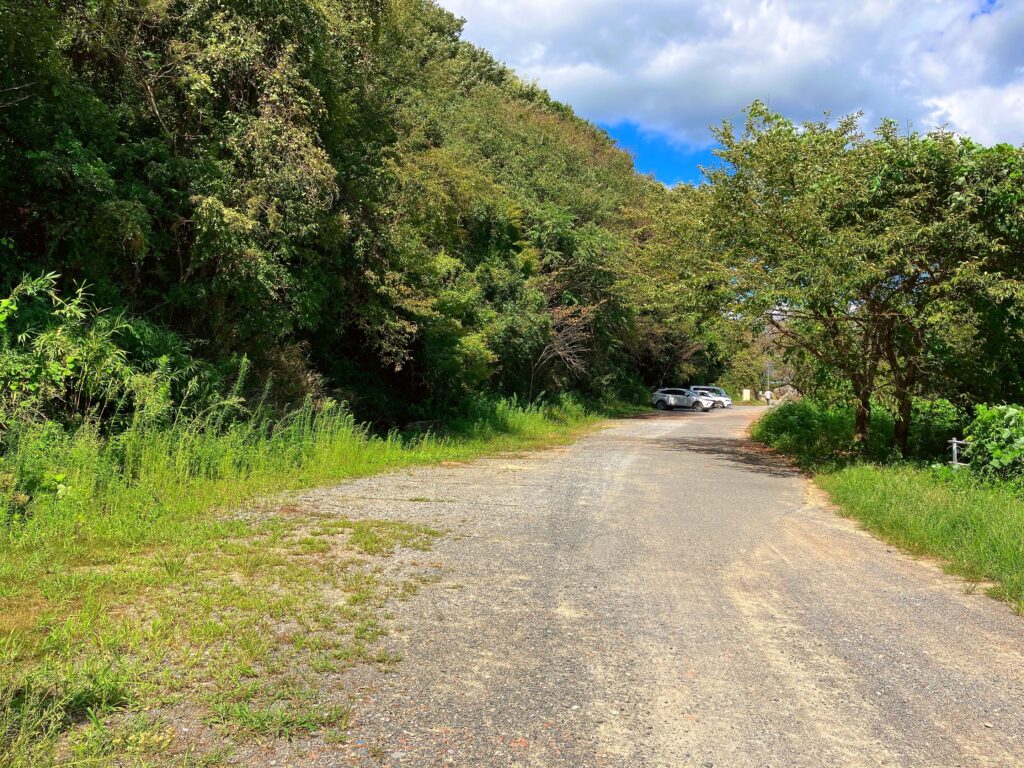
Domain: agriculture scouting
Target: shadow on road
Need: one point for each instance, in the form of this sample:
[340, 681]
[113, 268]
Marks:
[736, 450]
[677, 414]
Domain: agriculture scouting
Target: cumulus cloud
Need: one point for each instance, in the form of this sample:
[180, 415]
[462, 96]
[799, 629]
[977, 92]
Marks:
[677, 66]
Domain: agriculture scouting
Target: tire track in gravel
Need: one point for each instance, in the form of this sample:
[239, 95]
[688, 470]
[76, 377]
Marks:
[665, 594]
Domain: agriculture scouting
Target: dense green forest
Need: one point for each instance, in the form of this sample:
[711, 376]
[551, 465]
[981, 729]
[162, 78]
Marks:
[291, 201]
[343, 193]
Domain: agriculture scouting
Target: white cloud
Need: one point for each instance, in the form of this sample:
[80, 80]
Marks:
[987, 114]
[677, 66]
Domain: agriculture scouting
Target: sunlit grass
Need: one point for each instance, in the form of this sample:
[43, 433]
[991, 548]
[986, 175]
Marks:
[82, 500]
[977, 529]
[132, 576]
[975, 526]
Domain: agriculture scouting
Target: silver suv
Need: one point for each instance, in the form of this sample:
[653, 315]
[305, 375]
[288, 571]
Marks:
[721, 399]
[667, 399]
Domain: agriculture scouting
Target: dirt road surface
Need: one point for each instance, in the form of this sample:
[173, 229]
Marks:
[663, 593]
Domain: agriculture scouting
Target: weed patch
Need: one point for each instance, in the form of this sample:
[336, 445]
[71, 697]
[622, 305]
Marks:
[977, 529]
[130, 592]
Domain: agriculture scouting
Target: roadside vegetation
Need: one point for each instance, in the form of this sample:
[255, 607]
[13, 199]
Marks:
[879, 268]
[879, 276]
[972, 518]
[155, 583]
[251, 246]
[161, 600]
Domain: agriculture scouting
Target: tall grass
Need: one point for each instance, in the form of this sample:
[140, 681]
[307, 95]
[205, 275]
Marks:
[81, 496]
[92, 523]
[978, 529]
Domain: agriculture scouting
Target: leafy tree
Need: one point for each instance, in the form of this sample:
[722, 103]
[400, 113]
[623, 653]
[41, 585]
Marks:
[800, 263]
[860, 254]
[937, 255]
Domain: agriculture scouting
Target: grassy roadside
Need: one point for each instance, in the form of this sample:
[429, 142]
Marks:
[978, 530]
[138, 605]
[975, 527]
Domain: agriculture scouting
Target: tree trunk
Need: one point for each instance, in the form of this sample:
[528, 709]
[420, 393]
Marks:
[862, 422]
[901, 432]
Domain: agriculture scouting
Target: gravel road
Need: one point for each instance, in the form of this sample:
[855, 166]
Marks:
[664, 593]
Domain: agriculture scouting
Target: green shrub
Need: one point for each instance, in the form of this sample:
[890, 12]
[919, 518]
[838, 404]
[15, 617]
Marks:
[996, 442]
[62, 359]
[817, 434]
[933, 424]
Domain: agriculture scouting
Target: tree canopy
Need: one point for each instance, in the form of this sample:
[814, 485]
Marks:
[879, 262]
[344, 192]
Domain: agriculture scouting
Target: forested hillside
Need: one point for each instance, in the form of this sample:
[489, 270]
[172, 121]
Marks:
[288, 201]
[344, 193]
[231, 231]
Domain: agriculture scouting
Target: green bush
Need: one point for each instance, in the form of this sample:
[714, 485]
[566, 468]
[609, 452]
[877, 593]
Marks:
[817, 434]
[996, 442]
[933, 424]
[64, 360]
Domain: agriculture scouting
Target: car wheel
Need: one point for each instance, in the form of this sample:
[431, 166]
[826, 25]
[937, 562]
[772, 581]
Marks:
[697, 407]
[661, 405]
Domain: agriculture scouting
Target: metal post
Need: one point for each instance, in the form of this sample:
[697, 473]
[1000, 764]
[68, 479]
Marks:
[956, 451]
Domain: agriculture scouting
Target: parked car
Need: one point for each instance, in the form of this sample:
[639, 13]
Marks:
[722, 400]
[667, 399]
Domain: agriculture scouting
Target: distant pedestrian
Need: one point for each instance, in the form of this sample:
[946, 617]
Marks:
[768, 397]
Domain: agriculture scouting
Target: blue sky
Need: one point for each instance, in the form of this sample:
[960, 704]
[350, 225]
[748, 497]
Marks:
[657, 73]
[657, 154]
